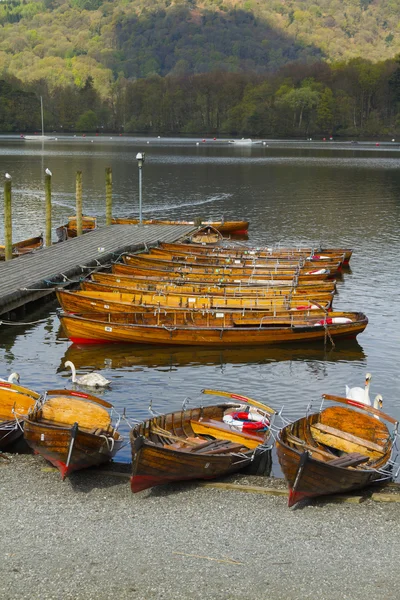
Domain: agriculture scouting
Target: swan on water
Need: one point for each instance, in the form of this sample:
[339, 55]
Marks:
[378, 402]
[360, 394]
[13, 378]
[89, 380]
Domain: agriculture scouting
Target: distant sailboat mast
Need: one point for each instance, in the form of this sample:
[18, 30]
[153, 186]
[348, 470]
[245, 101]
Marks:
[42, 137]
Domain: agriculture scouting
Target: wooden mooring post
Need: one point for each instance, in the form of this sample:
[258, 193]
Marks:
[7, 218]
[78, 203]
[108, 195]
[47, 187]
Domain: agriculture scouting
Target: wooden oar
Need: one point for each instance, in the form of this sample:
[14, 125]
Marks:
[241, 398]
[165, 433]
[79, 395]
[19, 388]
[365, 407]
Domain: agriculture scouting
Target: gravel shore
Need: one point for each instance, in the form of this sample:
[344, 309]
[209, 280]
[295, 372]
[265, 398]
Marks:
[91, 538]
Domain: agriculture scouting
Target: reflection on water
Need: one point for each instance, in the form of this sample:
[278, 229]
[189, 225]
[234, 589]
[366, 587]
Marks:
[333, 194]
[121, 356]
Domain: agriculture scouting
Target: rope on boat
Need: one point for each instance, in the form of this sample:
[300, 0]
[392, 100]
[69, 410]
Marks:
[327, 334]
[23, 323]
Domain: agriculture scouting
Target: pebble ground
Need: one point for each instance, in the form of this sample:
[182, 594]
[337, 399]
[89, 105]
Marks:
[90, 538]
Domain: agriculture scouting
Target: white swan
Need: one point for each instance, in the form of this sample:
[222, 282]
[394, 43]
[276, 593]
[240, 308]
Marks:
[13, 378]
[89, 380]
[378, 402]
[360, 394]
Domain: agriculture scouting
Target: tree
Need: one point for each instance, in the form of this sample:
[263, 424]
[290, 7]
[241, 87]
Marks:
[87, 121]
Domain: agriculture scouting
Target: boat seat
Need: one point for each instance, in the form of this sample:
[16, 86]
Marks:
[229, 448]
[211, 447]
[342, 440]
[349, 460]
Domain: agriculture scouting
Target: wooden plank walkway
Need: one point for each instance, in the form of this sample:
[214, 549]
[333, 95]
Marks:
[27, 278]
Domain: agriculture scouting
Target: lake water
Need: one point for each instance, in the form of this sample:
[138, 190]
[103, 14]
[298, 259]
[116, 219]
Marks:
[340, 194]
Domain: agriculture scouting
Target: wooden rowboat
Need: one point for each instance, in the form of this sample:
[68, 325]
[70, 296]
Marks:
[222, 226]
[194, 444]
[150, 284]
[72, 430]
[83, 301]
[242, 259]
[324, 298]
[15, 402]
[24, 247]
[274, 251]
[69, 230]
[217, 328]
[247, 266]
[220, 275]
[232, 270]
[336, 450]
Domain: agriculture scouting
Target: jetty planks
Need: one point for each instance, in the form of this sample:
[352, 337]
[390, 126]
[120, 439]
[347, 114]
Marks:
[30, 277]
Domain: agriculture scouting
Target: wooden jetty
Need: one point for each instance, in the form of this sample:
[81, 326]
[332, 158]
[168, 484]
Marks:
[34, 276]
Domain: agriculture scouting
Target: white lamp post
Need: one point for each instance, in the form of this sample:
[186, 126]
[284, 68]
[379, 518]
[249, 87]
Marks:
[140, 161]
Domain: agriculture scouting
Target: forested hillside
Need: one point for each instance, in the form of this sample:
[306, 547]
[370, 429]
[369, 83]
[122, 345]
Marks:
[281, 63]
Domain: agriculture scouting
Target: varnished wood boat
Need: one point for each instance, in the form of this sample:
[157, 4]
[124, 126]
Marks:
[220, 275]
[280, 293]
[23, 247]
[194, 443]
[246, 288]
[210, 328]
[69, 230]
[15, 402]
[220, 278]
[184, 256]
[274, 251]
[247, 266]
[205, 237]
[83, 301]
[145, 262]
[336, 450]
[221, 226]
[72, 430]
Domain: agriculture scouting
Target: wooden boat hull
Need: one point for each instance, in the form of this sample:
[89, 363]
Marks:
[69, 230]
[226, 259]
[24, 247]
[276, 251]
[237, 227]
[15, 403]
[156, 461]
[232, 271]
[116, 279]
[104, 329]
[275, 293]
[308, 469]
[85, 301]
[219, 276]
[72, 430]
[53, 443]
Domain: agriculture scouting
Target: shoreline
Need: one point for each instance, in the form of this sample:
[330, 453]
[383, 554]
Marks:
[91, 538]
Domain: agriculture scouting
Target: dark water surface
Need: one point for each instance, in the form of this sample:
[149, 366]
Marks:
[339, 194]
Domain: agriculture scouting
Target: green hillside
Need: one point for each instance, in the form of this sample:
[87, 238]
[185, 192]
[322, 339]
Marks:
[246, 67]
[62, 42]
